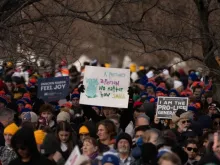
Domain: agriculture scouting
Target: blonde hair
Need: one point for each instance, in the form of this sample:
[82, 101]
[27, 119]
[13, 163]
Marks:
[171, 157]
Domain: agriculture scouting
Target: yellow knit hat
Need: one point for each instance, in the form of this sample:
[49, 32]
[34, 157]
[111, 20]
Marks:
[133, 68]
[141, 68]
[83, 130]
[11, 129]
[39, 136]
[107, 65]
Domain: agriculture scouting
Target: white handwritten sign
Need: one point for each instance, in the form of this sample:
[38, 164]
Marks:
[106, 87]
[74, 156]
[167, 106]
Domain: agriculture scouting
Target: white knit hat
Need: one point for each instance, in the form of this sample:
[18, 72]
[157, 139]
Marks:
[165, 72]
[63, 116]
[150, 74]
[177, 84]
[29, 116]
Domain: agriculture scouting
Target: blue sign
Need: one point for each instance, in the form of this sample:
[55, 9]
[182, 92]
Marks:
[53, 89]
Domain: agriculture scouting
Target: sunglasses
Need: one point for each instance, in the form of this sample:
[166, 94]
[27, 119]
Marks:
[216, 123]
[185, 121]
[192, 149]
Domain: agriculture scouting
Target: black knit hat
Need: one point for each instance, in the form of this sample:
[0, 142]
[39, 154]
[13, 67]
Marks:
[124, 136]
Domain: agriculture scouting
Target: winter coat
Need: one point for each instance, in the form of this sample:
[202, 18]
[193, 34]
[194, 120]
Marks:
[2, 139]
[209, 159]
[7, 154]
[25, 136]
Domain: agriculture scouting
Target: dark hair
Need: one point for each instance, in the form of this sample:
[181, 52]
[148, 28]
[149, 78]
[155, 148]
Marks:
[190, 142]
[197, 87]
[46, 108]
[172, 157]
[110, 127]
[142, 128]
[65, 126]
[25, 137]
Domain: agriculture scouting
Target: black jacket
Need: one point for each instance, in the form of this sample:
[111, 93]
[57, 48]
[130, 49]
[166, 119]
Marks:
[209, 159]
[40, 160]
[2, 139]
[25, 137]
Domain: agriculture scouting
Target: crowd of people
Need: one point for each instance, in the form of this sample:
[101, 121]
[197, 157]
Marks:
[34, 132]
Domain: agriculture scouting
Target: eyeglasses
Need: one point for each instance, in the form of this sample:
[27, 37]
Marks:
[185, 121]
[216, 123]
[192, 149]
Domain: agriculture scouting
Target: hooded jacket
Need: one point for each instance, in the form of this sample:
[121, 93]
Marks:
[25, 137]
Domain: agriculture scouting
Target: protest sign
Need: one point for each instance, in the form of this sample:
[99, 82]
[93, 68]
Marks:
[74, 156]
[167, 106]
[106, 87]
[52, 89]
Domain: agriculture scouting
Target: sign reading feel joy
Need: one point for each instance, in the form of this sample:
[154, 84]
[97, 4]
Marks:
[167, 106]
[51, 89]
[106, 87]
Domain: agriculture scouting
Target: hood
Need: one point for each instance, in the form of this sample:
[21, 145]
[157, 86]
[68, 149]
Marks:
[25, 137]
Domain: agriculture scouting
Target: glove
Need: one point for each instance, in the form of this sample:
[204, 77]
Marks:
[130, 129]
[81, 89]
[130, 92]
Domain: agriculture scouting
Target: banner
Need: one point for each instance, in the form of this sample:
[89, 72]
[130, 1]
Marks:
[74, 156]
[53, 89]
[106, 87]
[167, 106]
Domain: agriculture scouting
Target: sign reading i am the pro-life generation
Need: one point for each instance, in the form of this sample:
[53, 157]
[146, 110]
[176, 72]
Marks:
[53, 89]
[167, 106]
[106, 87]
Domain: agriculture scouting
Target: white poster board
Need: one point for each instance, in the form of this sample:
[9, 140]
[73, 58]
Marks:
[106, 87]
[74, 156]
[167, 106]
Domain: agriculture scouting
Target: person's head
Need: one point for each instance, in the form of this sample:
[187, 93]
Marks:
[216, 122]
[30, 117]
[151, 136]
[138, 111]
[75, 98]
[208, 97]
[90, 146]
[213, 108]
[9, 131]
[116, 120]
[183, 124]
[83, 133]
[63, 116]
[139, 131]
[23, 143]
[124, 143]
[197, 91]
[64, 132]
[6, 116]
[110, 159]
[191, 148]
[169, 159]
[108, 111]
[106, 130]
[182, 119]
[142, 120]
[46, 111]
[3, 101]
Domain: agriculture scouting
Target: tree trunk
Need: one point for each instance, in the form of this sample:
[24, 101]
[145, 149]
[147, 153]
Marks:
[208, 45]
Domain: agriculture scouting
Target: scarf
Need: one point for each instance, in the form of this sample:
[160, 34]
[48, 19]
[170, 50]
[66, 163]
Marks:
[94, 155]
